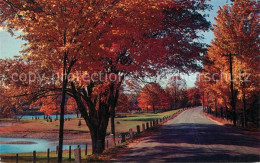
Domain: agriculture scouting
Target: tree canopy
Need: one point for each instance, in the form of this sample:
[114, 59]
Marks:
[85, 43]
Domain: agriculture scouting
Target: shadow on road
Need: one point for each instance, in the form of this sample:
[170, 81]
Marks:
[181, 154]
[204, 134]
[196, 142]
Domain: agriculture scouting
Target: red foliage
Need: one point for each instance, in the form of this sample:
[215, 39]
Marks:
[152, 96]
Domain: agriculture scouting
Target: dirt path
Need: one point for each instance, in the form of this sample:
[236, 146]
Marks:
[193, 137]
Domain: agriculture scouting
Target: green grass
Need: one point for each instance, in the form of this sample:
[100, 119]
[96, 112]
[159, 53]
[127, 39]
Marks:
[146, 116]
[132, 120]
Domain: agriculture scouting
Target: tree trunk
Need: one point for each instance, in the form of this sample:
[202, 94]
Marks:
[112, 111]
[233, 104]
[62, 105]
[221, 112]
[97, 125]
[98, 140]
[203, 104]
[113, 131]
[244, 124]
[208, 102]
[65, 73]
[216, 109]
[96, 115]
[226, 111]
[61, 124]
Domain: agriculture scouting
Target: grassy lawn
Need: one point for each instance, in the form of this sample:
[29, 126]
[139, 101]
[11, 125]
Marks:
[145, 116]
[122, 125]
[42, 126]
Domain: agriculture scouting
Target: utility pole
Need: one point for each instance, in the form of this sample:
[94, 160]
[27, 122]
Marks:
[208, 102]
[244, 104]
[233, 104]
[175, 94]
[244, 124]
[203, 104]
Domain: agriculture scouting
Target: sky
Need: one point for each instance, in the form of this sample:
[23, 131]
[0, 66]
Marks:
[9, 46]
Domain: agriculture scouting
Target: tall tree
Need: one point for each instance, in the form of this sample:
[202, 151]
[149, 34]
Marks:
[174, 87]
[123, 103]
[193, 96]
[236, 36]
[151, 97]
[112, 37]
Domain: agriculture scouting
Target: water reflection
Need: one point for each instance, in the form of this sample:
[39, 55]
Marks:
[41, 146]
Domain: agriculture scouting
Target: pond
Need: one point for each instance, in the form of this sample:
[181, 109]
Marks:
[42, 116]
[38, 145]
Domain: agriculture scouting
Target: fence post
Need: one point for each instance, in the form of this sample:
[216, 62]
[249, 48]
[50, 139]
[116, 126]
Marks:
[131, 133]
[34, 156]
[138, 129]
[48, 155]
[123, 137]
[77, 155]
[57, 148]
[86, 150]
[17, 158]
[151, 124]
[143, 127]
[147, 126]
[113, 143]
[70, 152]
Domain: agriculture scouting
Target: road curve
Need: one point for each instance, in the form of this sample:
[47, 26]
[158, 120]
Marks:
[191, 137]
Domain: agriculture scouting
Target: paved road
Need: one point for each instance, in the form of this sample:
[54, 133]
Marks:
[193, 137]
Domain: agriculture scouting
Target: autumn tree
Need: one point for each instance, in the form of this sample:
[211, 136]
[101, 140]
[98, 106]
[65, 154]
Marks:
[233, 56]
[122, 103]
[193, 96]
[199, 84]
[133, 103]
[174, 88]
[152, 96]
[9, 69]
[71, 105]
[111, 37]
[48, 105]
[164, 102]
[51, 105]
